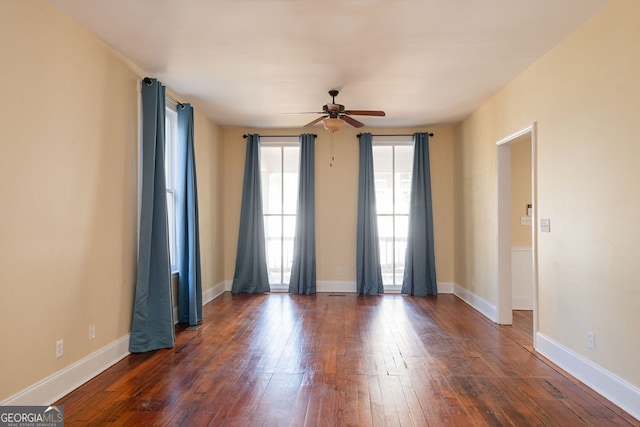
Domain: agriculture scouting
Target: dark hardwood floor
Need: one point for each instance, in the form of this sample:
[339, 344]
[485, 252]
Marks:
[342, 359]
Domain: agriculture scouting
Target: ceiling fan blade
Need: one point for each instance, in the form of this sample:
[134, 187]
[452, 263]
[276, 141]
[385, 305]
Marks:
[306, 112]
[365, 113]
[353, 122]
[313, 122]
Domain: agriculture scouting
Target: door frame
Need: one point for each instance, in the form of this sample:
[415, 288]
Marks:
[503, 150]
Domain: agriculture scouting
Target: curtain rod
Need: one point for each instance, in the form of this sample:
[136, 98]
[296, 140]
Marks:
[399, 134]
[147, 81]
[279, 136]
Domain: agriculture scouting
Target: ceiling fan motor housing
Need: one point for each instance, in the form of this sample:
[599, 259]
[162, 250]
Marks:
[333, 108]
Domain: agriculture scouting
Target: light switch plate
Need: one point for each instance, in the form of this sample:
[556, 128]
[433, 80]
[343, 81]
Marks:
[545, 225]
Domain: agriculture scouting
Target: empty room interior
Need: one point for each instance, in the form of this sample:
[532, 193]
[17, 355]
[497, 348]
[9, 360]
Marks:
[306, 302]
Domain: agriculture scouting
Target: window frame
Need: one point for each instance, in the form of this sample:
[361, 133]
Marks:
[392, 141]
[171, 179]
[279, 142]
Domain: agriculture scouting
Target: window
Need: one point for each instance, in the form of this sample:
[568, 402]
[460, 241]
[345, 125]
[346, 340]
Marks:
[279, 163]
[392, 166]
[170, 164]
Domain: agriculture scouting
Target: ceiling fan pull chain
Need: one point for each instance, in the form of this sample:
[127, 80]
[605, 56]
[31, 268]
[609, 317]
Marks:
[331, 151]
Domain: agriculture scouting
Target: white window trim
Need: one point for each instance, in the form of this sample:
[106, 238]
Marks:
[171, 113]
[279, 141]
[392, 140]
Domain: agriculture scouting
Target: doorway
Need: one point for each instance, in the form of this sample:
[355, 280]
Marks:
[506, 218]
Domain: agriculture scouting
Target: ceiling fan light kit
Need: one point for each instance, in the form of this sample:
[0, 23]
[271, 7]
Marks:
[332, 125]
[335, 115]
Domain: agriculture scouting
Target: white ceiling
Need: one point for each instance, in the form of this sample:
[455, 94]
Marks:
[245, 62]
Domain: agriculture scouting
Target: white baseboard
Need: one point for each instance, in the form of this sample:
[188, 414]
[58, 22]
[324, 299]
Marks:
[321, 286]
[55, 386]
[607, 384]
[446, 288]
[522, 302]
[350, 287]
[480, 304]
[52, 388]
[207, 296]
[522, 294]
[335, 286]
[213, 292]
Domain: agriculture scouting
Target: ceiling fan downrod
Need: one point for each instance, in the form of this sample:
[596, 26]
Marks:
[333, 93]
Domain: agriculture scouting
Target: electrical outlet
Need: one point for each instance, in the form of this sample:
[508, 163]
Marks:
[591, 341]
[59, 348]
[339, 271]
[92, 331]
[525, 220]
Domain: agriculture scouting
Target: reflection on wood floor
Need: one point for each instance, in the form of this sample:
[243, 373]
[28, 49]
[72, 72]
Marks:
[342, 359]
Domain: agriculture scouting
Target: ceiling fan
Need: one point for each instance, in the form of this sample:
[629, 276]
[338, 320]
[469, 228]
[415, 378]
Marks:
[334, 115]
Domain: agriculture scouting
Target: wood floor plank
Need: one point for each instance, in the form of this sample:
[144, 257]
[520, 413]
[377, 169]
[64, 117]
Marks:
[365, 416]
[376, 400]
[341, 360]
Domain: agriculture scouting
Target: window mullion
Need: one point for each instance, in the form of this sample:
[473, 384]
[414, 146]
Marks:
[393, 217]
[282, 215]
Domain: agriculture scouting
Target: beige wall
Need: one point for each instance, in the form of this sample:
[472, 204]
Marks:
[69, 185]
[208, 141]
[520, 190]
[337, 197]
[584, 96]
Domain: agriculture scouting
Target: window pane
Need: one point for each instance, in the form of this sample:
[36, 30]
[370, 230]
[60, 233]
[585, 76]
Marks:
[383, 175]
[403, 157]
[288, 234]
[170, 147]
[167, 152]
[400, 246]
[170, 166]
[271, 176]
[172, 228]
[291, 156]
[273, 233]
[385, 239]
